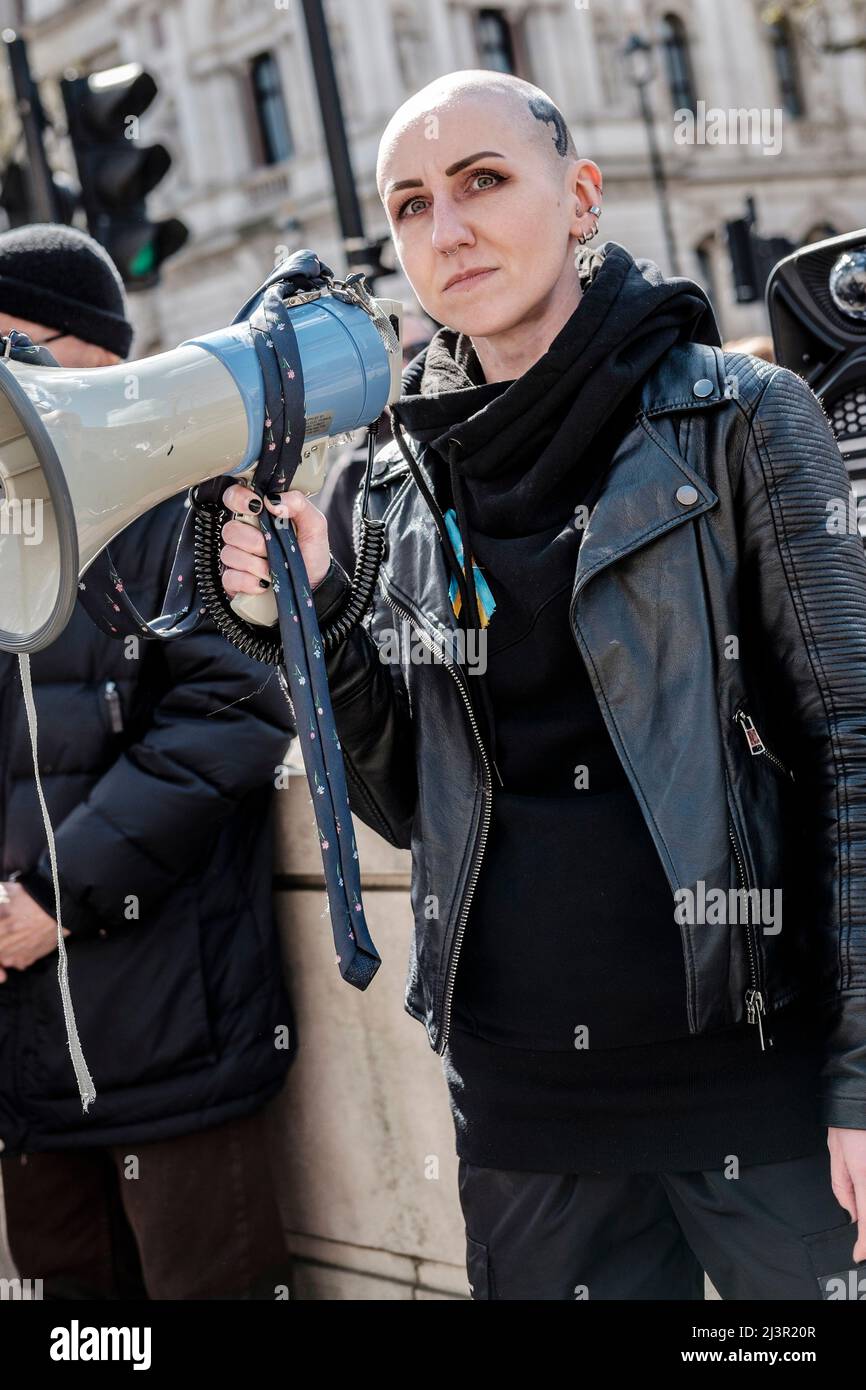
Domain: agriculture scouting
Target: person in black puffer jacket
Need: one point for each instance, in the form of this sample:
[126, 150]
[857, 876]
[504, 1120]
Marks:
[164, 843]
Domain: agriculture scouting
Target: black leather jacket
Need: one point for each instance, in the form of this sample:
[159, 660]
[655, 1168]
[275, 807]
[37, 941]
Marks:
[713, 597]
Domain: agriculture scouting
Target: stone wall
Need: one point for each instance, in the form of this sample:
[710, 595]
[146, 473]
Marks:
[363, 1137]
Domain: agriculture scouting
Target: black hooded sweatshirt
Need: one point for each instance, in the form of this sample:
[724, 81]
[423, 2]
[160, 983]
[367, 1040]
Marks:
[570, 1043]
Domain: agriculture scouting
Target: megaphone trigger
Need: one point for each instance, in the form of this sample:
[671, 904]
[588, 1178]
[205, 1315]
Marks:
[260, 609]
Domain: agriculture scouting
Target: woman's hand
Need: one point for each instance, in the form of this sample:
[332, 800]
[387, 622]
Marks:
[245, 554]
[848, 1178]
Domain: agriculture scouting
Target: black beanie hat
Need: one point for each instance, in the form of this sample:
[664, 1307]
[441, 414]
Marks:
[60, 276]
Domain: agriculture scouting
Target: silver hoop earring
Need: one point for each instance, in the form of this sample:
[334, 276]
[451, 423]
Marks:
[593, 211]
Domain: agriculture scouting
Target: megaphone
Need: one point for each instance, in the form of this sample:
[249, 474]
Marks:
[83, 453]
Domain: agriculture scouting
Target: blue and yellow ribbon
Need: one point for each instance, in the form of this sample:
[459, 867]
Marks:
[486, 601]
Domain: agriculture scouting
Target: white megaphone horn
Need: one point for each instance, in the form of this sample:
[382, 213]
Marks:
[83, 453]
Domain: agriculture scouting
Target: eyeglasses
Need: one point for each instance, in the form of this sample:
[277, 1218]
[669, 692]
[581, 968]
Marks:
[39, 341]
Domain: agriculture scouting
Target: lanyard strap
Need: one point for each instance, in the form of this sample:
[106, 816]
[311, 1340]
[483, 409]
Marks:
[103, 595]
[304, 669]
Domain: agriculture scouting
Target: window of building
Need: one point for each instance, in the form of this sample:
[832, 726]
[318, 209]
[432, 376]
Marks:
[273, 121]
[494, 39]
[157, 32]
[409, 41]
[678, 66]
[345, 61]
[607, 43]
[787, 69]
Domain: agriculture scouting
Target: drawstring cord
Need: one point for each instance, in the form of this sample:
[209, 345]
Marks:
[467, 605]
[463, 528]
[86, 1088]
[471, 607]
[426, 492]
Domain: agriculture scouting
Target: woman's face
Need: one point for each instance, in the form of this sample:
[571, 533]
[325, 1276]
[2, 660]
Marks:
[487, 191]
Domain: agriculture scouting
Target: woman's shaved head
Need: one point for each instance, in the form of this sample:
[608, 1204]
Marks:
[520, 105]
[480, 176]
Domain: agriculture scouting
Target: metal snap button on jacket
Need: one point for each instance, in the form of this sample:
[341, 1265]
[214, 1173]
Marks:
[687, 494]
[704, 387]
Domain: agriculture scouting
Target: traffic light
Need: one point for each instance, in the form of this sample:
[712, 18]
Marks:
[753, 257]
[116, 173]
[769, 250]
[375, 257]
[29, 190]
[742, 262]
[14, 196]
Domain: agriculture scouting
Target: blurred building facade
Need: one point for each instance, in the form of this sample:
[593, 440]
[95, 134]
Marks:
[238, 109]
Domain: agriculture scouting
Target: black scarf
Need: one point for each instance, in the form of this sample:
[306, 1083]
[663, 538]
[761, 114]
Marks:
[517, 444]
[517, 453]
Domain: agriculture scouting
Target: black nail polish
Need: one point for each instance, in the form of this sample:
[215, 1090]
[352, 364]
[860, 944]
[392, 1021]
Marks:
[254, 504]
[264, 583]
[274, 496]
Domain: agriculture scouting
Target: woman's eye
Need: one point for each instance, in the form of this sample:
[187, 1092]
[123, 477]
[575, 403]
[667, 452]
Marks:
[405, 206]
[487, 174]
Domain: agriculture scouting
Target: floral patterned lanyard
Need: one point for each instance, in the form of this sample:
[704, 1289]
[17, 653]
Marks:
[303, 675]
[304, 671]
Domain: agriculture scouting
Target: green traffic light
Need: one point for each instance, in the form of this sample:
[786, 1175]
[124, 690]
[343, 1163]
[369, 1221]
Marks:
[116, 174]
[144, 261]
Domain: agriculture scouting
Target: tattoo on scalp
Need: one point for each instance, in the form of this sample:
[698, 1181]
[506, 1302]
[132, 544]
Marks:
[544, 110]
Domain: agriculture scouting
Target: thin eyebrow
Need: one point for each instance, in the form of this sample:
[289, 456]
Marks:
[452, 169]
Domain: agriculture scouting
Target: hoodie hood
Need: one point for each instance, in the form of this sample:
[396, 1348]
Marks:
[501, 432]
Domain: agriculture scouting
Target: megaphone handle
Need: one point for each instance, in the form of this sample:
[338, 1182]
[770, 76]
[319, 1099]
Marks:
[255, 608]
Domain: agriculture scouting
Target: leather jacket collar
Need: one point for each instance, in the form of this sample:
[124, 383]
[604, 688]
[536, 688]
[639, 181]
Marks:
[644, 492]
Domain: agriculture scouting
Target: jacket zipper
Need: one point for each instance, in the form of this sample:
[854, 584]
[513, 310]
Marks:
[755, 1005]
[481, 839]
[115, 713]
[754, 998]
[754, 740]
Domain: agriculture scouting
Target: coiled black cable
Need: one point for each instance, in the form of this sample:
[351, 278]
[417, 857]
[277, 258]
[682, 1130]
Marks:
[265, 644]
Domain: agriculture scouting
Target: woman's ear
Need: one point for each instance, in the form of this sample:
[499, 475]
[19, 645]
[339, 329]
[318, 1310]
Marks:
[585, 184]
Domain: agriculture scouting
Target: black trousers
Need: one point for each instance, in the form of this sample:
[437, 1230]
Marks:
[774, 1232]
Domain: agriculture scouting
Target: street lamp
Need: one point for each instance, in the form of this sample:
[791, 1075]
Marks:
[36, 178]
[640, 70]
